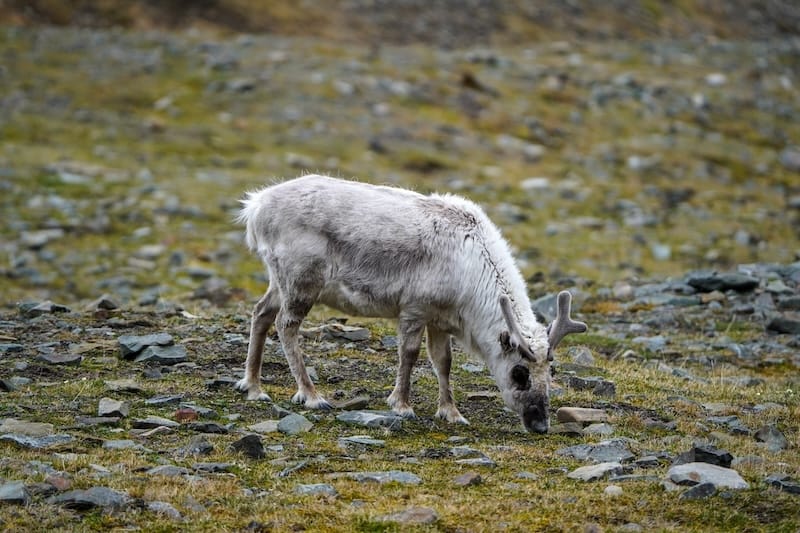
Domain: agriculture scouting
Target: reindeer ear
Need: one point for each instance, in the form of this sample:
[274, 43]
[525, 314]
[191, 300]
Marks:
[505, 341]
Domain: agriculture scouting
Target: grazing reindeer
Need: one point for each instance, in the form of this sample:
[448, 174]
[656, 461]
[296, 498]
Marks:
[435, 263]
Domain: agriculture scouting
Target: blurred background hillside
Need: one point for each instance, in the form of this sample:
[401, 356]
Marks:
[441, 22]
[608, 139]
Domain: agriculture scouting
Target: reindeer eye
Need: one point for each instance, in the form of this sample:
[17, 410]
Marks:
[520, 377]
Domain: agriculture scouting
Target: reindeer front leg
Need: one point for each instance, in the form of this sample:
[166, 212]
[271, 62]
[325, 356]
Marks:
[440, 354]
[410, 333]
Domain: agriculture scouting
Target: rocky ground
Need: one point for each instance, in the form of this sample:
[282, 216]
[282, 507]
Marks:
[657, 181]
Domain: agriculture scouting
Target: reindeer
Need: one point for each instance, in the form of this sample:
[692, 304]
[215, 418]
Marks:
[435, 263]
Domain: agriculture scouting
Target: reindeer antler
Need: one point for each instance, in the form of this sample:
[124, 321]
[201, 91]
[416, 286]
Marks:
[563, 325]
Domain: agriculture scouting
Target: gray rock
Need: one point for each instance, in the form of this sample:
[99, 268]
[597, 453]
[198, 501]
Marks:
[165, 509]
[24, 427]
[267, 426]
[168, 399]
[92, 421]
[6, 348]
[732, 422]
[152, 422]
[84, 500]
[699, 491]
[168, 355]
[654, 344]
[711, 455]
[168, 471]
[608, 451]
[362, 441]
[123, 385]
[601, 429]
[772, 437]
[389, 476]
[788, 323]
[354, 404]
[35, 309]
[316, 489]
[131, 345]
[784, 483]
[371, 419]
[124, 444]
[250, 446]
[477, 461]
[37, 443]
[581, 355]
[581, 415]
[213, 468]
[207, 427]
[64, 359]
[571, 429]
[468, 479]
[598, 385]
[595, 472]
[294, 424]
[790, 158]
[198, 445]
[113, 408]
[413, 516]
[695, 473]
[706, 281]
[14, 492]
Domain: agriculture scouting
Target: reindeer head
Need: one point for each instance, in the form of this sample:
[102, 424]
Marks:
[524, 372]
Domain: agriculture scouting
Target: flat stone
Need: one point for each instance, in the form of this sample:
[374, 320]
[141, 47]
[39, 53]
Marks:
[111, 407]
[267, 426]
[92, 421]
[84, 500]
[413, 516]
[168, 471]
[316, 489]
[14, 492]
[371, 419]
[6, 348]
[714, 281]
[699, 492]
[206, 427]
[614, 450]
[168, 399]
[123, 385]
[153, 422]
[250, 446]
[711, 455]
[787, 323]
[37, 443]
[581, 415]
[390, 476]
[477, 461]
[164, 509]
[772, 437]
[595, 472]
[213, 468]
[362, 441]
[354, 404]
[131, 345]
[168, 355]
[43, 308]
[695, 473]
[294, 424]
[23, 427]
[63, 359]
[784, 483]
[124, 444]
[601, 428]
[198, 445]
[572, 429]
[468, 479]
[598, 385]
